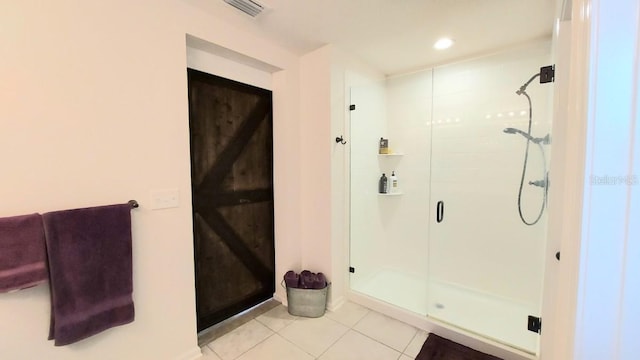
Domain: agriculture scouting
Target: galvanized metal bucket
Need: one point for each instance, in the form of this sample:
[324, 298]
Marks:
[306, 302]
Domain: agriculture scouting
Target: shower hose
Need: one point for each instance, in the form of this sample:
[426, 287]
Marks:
[524, 171]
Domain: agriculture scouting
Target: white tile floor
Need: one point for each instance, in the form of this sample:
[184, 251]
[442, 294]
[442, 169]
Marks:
[352, 332]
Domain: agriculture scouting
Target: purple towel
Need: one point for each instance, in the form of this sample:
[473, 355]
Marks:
[90, 268]
[291, 279]
[306, 279]
[22, 252]
[320, 281]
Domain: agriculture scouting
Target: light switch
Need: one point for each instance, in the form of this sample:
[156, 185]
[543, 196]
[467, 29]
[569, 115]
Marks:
[164, 199]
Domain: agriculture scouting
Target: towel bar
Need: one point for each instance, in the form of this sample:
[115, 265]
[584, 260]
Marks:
[134, 204]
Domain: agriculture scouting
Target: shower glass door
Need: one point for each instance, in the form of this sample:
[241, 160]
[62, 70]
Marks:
[389, 232]
[485, 265]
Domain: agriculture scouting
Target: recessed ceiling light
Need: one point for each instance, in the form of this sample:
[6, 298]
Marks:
[443, 43]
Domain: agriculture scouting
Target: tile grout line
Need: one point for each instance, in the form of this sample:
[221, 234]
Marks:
[369, 311]
[400, 351]
[295, 319]
[342, 336]
[254, 346]
[381, 343]
[410, 341]
[244, 352]
[294, 344]
[338, 339]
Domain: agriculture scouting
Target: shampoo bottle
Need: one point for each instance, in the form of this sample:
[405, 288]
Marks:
[393, 179]
[382, 184]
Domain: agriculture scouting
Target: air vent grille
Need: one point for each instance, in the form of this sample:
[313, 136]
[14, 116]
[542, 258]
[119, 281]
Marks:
[248, 7]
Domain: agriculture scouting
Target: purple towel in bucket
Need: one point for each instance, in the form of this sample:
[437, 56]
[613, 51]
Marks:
[320, 281]
[22, 252]
[90, 266]
[307, 278]
[291, 279]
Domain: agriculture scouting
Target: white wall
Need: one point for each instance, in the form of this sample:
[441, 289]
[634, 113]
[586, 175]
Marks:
[409, 112]
[315, 138]
[94, 111]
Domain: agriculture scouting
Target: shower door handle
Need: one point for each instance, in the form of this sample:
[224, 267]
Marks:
[440, 211]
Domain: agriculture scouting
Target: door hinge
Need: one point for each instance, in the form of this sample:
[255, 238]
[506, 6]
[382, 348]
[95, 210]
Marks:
[352, 107]
[352, 269]
[547, 74]
[534, 324]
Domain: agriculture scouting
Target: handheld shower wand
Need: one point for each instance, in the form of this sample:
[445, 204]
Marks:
[546, 74]
[546, 140]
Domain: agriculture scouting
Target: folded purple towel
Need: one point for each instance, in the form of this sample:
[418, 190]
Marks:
[320, 281]
[90, 268]
[22, 252]
[307, 278]
[291, 279]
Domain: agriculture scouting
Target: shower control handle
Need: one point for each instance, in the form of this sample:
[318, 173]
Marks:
[440, 211]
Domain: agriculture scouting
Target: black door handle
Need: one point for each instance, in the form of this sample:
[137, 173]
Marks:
[440, 211]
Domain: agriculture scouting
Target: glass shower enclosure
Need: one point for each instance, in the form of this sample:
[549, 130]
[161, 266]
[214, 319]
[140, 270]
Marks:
[451, 244]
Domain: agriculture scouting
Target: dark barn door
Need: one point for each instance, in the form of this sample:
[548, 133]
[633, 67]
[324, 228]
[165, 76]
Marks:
[232, 187]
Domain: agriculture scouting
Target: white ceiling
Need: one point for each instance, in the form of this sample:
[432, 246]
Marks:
[396, 36]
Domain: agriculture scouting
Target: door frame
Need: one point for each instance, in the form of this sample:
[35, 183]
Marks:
[594, 295]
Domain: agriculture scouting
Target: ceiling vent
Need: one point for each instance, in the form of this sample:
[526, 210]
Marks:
[248, 7]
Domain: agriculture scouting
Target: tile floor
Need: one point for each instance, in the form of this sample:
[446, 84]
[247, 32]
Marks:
[352, 332]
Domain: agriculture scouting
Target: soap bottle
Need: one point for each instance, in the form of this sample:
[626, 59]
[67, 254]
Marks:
[393, 179]
[382, 184]
[384, 146]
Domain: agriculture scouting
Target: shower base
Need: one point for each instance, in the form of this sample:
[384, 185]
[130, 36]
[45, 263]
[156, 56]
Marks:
[397, 288]
[499, 319]
[491, 316]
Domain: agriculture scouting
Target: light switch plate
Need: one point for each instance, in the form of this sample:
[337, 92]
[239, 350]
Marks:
[164, 199]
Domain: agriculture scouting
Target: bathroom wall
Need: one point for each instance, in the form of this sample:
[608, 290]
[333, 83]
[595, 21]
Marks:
[94, 111]
[408, 217]
[315, 115]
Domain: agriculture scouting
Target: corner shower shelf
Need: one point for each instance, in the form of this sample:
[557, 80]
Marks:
[391, 194]
[394, 154]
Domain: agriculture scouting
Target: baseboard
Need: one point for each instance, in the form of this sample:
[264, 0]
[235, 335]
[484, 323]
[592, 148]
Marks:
[336, 303]
[192, 354]
[280, 299]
